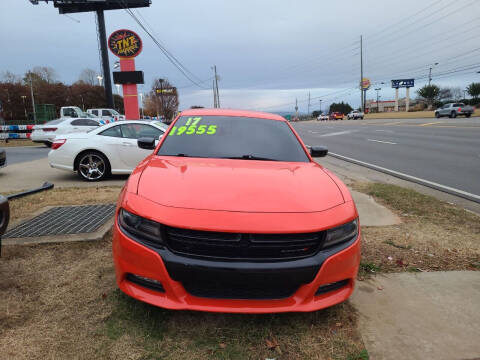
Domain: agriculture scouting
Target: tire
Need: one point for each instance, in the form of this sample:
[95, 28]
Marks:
[453, 114]
[468, 115]
[48, 144]
[92, 166]
[437, 115]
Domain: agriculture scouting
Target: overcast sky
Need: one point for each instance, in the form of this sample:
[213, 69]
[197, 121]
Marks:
[267, 52]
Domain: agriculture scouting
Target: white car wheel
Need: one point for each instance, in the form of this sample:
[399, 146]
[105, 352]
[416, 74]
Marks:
[93, 166]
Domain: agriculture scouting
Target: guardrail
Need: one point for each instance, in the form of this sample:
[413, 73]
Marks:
[15, 131]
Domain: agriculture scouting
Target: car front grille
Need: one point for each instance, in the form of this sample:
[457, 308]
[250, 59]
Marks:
[239, 246]
[253, 291]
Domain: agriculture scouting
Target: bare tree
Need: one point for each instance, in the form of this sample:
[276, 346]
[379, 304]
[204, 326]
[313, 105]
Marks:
[165, 99]
[457, 93]
[10, 78]
[88, 76]
[46, 73]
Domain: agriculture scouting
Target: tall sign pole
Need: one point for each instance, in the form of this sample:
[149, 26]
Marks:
[362, 105]
[107, 81]
[126, 44]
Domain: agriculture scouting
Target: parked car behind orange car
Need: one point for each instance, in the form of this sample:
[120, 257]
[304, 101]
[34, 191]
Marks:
[231, 214]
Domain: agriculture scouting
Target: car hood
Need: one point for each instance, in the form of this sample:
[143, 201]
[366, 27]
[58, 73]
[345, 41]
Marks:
[238, 185]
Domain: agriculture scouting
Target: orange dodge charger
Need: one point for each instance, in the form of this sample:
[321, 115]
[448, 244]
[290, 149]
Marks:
[231, 214]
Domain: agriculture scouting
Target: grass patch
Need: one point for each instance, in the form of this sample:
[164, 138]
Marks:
[434, 235]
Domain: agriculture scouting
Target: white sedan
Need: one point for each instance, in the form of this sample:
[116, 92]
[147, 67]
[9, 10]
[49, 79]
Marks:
[110, 149]
[47, 132]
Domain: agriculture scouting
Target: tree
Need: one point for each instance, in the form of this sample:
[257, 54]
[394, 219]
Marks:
[445, 94]
[342, 107]
[88, 76]
[10, 77]
[429, 93]
[316, 114]
[474, 90]
[166, 104]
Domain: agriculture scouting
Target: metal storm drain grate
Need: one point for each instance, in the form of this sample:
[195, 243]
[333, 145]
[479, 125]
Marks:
[64, 220]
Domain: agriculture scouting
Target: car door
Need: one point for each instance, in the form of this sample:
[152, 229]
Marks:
[445, 109]
[110, 142]
[130, 153]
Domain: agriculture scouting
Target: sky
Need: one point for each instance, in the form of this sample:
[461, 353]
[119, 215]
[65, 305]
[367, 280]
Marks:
[268, 53]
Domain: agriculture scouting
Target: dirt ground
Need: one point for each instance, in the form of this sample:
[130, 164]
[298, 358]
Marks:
[17, 142]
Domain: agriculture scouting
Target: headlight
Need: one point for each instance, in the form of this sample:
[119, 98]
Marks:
[342, 233]
[141, 228]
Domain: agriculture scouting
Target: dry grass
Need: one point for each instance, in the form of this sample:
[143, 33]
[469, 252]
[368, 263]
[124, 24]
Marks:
[407, 115]
[60, 301]
[24, 207]
[18, 142]
[434, 235]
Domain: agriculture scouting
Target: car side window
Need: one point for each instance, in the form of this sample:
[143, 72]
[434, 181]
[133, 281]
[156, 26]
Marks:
[136, 131]
[106, 113]
[114, 131]
[95, 112]
[91, 122]
[84, 122]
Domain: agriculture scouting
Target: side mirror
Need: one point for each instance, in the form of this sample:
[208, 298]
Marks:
[318, 151]
[147, 143]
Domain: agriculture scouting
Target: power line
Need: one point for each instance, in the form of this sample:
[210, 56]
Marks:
[185, 72]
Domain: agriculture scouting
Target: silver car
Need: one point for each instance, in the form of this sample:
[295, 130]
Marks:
[453, 110]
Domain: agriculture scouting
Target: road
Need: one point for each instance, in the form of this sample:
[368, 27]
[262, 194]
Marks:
[444, 151]
[19, 154]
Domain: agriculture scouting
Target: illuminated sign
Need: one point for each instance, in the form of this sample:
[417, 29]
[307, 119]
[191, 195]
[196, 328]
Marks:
[125, 43]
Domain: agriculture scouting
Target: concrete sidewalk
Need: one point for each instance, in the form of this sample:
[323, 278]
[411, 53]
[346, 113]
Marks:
[433, 315]
[32, 174]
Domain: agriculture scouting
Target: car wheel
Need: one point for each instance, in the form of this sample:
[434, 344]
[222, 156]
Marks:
[93, 166]
[47, 144]
[468, 115]
[453, 114]
[437, 115]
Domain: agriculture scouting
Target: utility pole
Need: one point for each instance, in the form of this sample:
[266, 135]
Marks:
[214, 94]
[320, 109]
[33, 100]
[377, 90]
[430, 76]
[105, 65]
[216, 86]
[362, 104]
[464, 96]
[296, 109]
[308, 109]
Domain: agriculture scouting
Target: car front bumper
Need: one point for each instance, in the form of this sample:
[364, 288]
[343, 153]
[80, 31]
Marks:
[324, 279]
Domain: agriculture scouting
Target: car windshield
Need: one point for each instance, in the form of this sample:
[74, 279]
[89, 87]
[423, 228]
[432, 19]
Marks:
[233, 137]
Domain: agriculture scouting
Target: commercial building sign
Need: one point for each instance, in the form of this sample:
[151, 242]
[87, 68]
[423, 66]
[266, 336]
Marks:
[403, 83]
[125, 43]
[365, 84]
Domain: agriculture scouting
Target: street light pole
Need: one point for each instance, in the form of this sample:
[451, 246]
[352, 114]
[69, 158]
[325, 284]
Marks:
[24, 106]
[320, 106]
[430, 73]
[377, 90]
[33, 100]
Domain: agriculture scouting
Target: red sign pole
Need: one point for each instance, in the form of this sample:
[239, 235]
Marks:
[130, 93]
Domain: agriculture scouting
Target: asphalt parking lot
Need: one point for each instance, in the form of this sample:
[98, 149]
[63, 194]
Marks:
[19, 154]
[444, 151]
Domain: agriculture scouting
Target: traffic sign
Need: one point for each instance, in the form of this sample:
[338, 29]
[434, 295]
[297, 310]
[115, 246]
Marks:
[403, 83]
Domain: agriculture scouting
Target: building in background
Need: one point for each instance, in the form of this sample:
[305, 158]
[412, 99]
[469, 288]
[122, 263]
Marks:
[387, 105]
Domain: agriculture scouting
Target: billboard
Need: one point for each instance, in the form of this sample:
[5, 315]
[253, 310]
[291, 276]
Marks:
[403, 83]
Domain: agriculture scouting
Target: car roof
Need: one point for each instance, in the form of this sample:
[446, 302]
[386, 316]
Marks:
[232, 112]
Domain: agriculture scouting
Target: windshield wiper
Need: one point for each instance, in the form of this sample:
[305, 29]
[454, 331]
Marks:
[249, 157]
